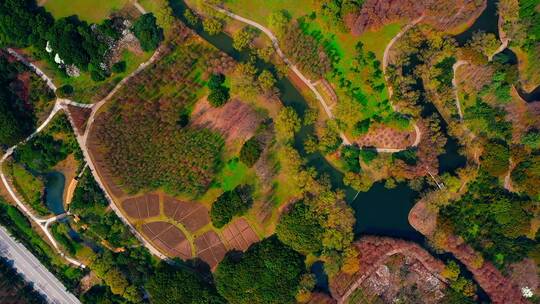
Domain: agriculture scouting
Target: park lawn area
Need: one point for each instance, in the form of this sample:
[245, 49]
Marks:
[28, 186]
[92, 11]
[233, 174]
[87, 90]
[260, 10]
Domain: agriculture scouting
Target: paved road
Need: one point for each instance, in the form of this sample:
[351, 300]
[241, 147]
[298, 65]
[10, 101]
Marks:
[32, 270]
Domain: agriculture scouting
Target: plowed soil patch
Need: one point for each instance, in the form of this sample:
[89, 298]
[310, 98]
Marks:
[210, 248]
[168, 238]
[239, 235]
[234, 120]
[192, 215]
[142, 207]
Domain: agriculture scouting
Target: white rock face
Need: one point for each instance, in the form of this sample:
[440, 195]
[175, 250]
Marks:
[73, 71]
[527, 292]
[57, 59]
[48, 47]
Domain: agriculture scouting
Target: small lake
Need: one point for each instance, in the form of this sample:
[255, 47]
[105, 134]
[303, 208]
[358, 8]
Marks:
[54, 192]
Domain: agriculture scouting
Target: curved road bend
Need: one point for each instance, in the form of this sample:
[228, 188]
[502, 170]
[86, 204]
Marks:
[33, 271]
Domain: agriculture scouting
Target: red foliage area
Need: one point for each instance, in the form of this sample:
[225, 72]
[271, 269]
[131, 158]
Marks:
[499, 288]
[442, 15]
[374, 252]
[80, 117]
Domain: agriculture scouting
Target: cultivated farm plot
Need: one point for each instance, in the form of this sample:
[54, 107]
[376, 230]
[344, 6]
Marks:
[142, 207]
[193, 216]
[210, 248]
[239, 235]
[168, 238]
[387, 137]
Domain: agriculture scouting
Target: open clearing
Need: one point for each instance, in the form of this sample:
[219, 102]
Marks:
[239, 235]
[210, 248]
[142, 207]
[91, 11]
[168, 238]
[193, 216]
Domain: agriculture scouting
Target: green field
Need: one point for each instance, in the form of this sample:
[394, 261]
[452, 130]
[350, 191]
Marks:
[88, 10]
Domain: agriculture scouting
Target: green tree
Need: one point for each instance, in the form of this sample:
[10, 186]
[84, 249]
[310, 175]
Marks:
[231, 203]
[243, 38]
[278, 20]
[212, 26]
[531, 139]
[495, 159]
[276, 267]
[148, 32]
[250, 152]
[266, 80]
[171, 285]
[300, 229]
[219, 96]
[287, 123]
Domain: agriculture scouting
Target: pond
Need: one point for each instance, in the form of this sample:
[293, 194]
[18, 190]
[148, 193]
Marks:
[54, 192]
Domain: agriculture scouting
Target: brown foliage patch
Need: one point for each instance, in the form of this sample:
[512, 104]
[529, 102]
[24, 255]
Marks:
[499, 288]
[442, 15]
[80, 117]
[193, 216]
[234, 120]
[210, 248]
[239, 235]
[168, 238]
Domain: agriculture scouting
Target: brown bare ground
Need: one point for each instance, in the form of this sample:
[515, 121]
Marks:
[101, 167]
[210, 248]
[80, 117]
[193, 216]
[168, 238]
[386, 137]
[234, 120]
[321, 298]
[239, 235]
[142, 207]
[375, 253]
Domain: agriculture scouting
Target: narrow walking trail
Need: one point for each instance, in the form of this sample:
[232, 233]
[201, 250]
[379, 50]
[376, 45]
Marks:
[455, 86]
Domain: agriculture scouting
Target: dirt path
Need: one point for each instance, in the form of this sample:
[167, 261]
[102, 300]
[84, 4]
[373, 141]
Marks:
[455, 87]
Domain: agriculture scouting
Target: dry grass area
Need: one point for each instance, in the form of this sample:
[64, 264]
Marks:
[386, 137]
[234, 120]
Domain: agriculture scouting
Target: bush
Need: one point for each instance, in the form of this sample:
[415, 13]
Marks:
[351, 156]
[148, 32]
[368, 154]
[409, 156]
[300, 229]
[250, 152]
[219, 96]
[212, 26]
[231, 203]
[361, 127]
[119, 67]
[65, 90]
[495, 159]
[98, 76]
[531, 139]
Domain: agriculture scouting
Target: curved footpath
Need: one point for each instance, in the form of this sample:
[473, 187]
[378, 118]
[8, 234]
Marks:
[309, 83]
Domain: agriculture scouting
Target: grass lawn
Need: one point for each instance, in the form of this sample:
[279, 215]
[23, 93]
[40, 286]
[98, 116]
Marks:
[29, 187]
[89, 10]
[234, 173]
[260, 10]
